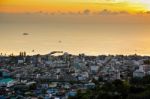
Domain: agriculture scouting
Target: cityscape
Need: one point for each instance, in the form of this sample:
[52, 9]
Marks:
[74, 49]
[68, 76]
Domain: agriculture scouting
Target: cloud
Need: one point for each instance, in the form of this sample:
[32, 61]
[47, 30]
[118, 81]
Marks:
[108, 12]
[148, 12]
[105, 12]
[86, 12]
[124, 12]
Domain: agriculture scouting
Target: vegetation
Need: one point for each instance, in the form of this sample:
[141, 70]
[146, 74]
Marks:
[136, 88]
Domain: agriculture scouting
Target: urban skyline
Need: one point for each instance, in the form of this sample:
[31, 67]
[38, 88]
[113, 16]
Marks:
[74, 49]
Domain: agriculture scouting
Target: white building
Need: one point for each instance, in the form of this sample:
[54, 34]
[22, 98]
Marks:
[20, 61]
[94, 69]
[139, 72]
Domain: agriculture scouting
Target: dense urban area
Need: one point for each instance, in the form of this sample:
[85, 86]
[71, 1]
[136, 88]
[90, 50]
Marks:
[60, 75]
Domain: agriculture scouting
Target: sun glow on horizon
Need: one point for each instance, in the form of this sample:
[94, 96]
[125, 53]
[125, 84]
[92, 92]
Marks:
[73, 5]
[144, 3]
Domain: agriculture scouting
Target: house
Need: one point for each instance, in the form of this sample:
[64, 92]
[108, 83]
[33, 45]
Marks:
[7, 82]
[139, 72]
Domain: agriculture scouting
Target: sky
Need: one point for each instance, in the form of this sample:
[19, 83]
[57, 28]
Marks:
[92, 27]
[73, 5]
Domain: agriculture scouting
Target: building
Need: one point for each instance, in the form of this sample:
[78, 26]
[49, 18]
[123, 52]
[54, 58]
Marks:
[139, 72]
[7, 82]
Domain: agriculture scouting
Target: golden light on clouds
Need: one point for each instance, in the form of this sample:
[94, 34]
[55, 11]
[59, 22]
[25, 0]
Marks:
[73, 5]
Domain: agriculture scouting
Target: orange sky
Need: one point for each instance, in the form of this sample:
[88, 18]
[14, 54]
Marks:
[73, 5]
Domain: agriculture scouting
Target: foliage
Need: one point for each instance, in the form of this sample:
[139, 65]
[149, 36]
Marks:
[136, 88]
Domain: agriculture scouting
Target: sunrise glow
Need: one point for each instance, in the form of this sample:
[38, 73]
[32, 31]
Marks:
[73, 5]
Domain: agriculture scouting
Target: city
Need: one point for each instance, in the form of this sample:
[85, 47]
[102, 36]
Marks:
[63, 76]
[74, 49]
